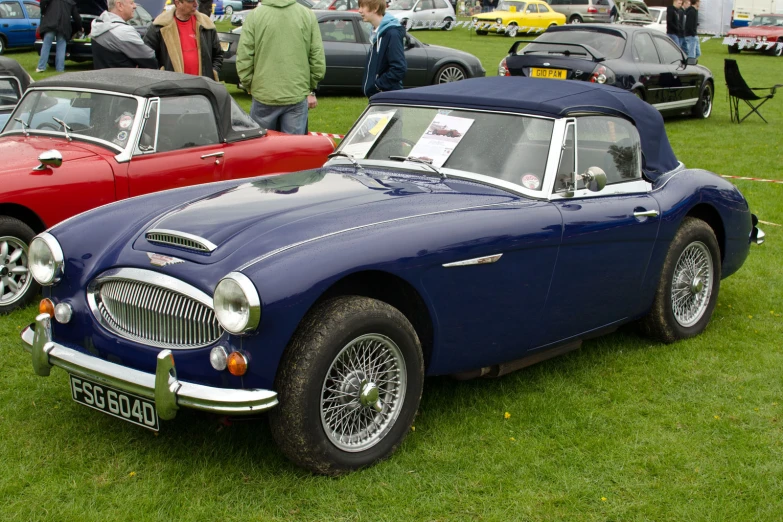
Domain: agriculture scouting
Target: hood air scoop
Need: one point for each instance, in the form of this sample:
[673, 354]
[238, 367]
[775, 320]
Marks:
[177, 239]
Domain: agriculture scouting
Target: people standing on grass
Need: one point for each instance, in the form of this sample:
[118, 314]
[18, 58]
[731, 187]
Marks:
[386, 64]
[674, 22]
[185, 40]
[280, 60]
[692, 45]
[56, 22]
[117, 44]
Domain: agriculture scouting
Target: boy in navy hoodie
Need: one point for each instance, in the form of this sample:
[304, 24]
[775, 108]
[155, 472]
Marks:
[386, 63]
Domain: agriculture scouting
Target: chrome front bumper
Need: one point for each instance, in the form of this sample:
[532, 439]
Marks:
[163, 387]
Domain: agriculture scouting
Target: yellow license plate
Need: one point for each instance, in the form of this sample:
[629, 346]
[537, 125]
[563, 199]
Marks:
[225, 46]
[602, 10]
[552, 74]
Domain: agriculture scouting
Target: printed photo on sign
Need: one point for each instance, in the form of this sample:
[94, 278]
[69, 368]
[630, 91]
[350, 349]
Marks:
[440, 139]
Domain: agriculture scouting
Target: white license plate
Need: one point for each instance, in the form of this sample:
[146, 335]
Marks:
[122, 405]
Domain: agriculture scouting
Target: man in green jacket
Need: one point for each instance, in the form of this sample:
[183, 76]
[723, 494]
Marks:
[280, 60]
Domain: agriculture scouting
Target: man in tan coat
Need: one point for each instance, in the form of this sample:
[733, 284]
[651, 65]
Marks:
[185, 40]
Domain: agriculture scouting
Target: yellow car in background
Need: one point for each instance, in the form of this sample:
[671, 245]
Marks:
[513, 15]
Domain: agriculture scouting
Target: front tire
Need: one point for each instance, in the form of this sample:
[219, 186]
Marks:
[689, 284]
[349, 385]
[447, 23]
[703, 107]
[512, 30]
[449, 73]
[734, 49]
[17, 286]
[228, 11]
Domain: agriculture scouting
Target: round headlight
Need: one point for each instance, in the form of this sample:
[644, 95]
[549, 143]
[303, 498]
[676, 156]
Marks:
[45, 258]
[499, 21]
[475, 20]
[237, 305]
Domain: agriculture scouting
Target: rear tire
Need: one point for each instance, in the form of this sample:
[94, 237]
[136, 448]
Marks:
[17, 286]
[776, 51]
[2, 44]
[575, 19]
[689, 284]
[450, 72]
[447, 23]
[703, 107]
[350, 357]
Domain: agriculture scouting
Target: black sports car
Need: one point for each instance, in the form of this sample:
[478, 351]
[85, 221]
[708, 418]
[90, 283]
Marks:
[346, 43]
[641, 60]
[81, 50]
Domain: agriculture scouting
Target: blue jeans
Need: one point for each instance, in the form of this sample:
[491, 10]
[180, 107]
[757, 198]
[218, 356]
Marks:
[291, 119]
[692, 46]
[59, 57]
[675, 39]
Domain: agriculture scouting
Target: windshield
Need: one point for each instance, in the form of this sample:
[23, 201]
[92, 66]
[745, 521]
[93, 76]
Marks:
[505, 147]
[609, 45]
[9, 92]
[506, 6]
[322, 4]
[775, 21]
[103, 116]
[401, 5]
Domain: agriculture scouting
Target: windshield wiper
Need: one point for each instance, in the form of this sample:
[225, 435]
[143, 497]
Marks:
[421, 162]
[25, 126]
[346, 155]
[65, 126]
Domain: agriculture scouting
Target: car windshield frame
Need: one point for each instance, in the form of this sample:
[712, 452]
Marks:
[767, 21]
[543, 192]
[123, 150]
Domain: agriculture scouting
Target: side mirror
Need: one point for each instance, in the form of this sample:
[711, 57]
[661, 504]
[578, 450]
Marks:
[595, 179]
[692, 61]
[408, 42]
[50, 158]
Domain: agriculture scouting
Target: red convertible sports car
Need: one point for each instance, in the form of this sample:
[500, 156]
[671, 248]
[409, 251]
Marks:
[81, 140]
[765, 33]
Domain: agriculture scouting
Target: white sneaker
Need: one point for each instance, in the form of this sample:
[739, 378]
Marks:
[40, 70]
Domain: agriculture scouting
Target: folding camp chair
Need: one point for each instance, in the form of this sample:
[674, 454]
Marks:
[739, 90]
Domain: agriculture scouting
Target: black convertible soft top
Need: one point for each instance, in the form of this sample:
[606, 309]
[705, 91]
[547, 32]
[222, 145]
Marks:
[10, 67]
[150, 83]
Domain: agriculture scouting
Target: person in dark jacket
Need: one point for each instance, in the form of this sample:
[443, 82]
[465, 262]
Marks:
[56, 21]
[205, 7]
[386, 65]
[692, 46]
[117, 44]
[675, 27]
[185, 40]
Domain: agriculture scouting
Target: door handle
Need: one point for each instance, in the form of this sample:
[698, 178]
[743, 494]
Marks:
[646, 213]
[213, 155]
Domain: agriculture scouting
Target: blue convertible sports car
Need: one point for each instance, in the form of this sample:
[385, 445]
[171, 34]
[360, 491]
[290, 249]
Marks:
[457, 230]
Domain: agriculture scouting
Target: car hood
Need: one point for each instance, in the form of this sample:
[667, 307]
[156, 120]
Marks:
[20, 153]
[274, 212]
[759, 30]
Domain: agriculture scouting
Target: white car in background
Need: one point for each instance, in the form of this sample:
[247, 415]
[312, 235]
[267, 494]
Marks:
[636, 12]
[423, 14]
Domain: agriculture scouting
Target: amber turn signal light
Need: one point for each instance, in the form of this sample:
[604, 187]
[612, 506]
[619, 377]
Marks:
[46, 306]
[237, 364]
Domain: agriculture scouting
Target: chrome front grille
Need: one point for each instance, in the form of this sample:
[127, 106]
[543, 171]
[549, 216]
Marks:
[180, 240]
[153, 309]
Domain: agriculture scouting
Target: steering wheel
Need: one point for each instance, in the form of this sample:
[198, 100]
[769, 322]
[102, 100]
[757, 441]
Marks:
[393, 147]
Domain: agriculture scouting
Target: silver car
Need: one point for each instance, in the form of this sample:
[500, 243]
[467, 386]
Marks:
[423, 14]
[583, 11]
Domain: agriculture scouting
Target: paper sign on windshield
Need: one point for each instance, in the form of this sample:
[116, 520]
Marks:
[367, 134]
[440, 139]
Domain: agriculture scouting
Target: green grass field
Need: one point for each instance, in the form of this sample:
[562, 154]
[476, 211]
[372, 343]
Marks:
[623, 429]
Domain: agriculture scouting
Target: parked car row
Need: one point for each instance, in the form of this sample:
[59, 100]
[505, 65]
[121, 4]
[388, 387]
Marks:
[346, 40]
[464, 207]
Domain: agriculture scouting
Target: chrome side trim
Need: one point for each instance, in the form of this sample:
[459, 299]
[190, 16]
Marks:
[475, 261]
[351, 229]
[680, 104]
[168, 392]
[176, 238]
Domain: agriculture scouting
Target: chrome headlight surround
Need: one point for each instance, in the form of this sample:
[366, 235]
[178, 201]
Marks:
[45, 259]
[499, 21]
[237, 304]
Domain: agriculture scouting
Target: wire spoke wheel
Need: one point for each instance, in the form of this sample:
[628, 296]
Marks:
[15, 277]
[363, 392]
[692, 284]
